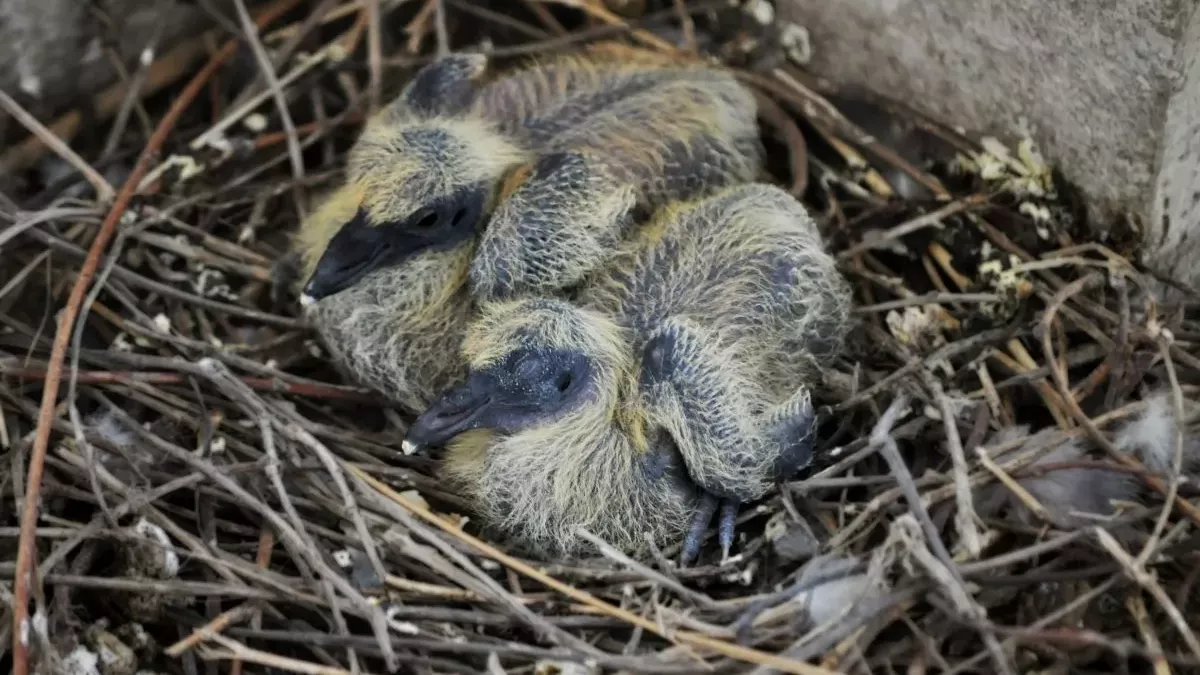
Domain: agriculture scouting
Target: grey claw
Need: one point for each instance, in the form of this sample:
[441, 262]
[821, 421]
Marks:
[725, 526]
[695, 534]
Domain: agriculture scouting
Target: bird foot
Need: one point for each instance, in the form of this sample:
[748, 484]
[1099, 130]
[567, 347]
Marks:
[726, 522]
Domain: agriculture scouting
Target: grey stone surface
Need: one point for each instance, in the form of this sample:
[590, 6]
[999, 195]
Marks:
[1109, 90]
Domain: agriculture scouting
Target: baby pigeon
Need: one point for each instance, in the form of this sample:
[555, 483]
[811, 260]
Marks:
[577, 142]
[675, 382]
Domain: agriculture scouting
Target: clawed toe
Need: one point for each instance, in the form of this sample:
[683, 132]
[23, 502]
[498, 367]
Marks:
[726, 523]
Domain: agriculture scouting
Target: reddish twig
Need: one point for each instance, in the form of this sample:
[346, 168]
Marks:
[321, 391]
[23, 578]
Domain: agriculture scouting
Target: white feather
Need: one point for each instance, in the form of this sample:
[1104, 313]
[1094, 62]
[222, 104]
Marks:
[1151, 436]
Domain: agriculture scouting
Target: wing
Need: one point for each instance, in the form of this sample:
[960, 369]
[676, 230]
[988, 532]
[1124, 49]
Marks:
[594, 181]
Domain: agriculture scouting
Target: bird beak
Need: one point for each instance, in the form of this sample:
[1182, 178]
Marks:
[458, 410]
[355, 251]
[335, 273]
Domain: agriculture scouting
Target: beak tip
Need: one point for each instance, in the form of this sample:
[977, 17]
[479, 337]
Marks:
[307, 300]
[408, 447]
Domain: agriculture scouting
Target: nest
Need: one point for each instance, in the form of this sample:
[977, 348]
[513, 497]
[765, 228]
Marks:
[211, 489]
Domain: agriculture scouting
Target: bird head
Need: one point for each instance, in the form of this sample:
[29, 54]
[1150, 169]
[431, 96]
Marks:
[530, 362]
[421, 177]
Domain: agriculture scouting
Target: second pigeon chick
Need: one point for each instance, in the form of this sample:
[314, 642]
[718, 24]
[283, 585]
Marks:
[388, 255]
[677, 382]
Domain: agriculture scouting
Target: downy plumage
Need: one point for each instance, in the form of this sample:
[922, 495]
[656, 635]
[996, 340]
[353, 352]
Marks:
[387, 258]
[677, 380]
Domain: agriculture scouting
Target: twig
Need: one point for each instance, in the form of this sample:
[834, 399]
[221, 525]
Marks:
[1064, 388]
[1147, 581]
[331, 391]
[134, 86]
[439, 28]
[599, 11]
[934, 298]
[215, 131]
[610, 552]
[694, 639]
[243, 653]
[276, 90]
[1013, 486]
[208, 630]
[881, 439]
[37, 458]
[965, 519]
[374, 54]
[932, 219]
[104, 191]
[686, 24]
[1160, 524]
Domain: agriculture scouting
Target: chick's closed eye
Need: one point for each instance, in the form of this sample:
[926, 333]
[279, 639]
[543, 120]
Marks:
[525, 388]
[364, 244]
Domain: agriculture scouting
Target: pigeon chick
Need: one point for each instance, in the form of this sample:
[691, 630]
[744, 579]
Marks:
[675, 383]
[387, 257]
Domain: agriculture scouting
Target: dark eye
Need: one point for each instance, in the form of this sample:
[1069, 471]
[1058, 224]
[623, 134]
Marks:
[563, 382]
[427, 221]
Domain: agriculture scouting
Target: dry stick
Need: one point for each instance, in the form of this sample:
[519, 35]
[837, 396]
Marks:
[932, 219]
[220, 373]
[331, 392]
[442, 36]
[599, 11]
[133, 90]
[1147, 581]
[72, 383]
[1176, 456]
[1064, 388]
[296, 541]
[933, 298]
[218, 624]
[266, 543]
[232, 117]
[965, 520]
[22, 579]
[1137, 609]
[266, 424]
[241, 652]
[268, 73]
[374, 54]
[104, 191]
[882, 439]
[774, 114]
[688, 26]
[693, 639]
[657, 577]
[323, 13]
[1013, 486]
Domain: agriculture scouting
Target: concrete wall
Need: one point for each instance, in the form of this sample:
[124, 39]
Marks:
[1110, 89]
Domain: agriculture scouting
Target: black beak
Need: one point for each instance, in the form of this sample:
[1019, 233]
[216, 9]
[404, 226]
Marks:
[356, 250]
[454, 412]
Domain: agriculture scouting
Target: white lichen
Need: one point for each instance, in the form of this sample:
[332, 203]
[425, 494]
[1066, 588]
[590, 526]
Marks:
[402, 627]
[762, 11]
[81, 661]
[168, 561]
[255, 122]
[162, 323]
[796, 43]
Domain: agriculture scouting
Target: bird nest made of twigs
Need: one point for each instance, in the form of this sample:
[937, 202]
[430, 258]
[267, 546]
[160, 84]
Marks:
[209, 488]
